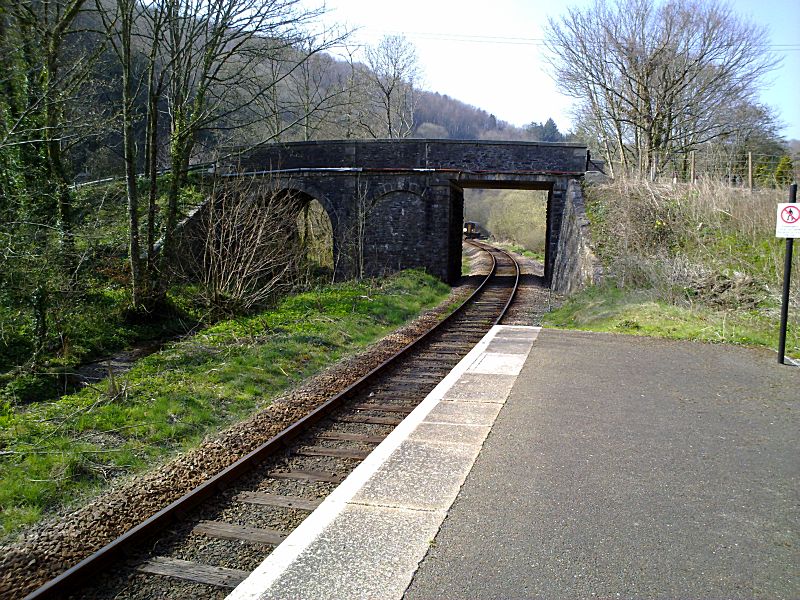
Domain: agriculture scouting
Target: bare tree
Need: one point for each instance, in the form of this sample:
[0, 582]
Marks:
[249, 247]
[317, 96]
[355, 237]
[393, 74]
[119, 22]
[216, 69]
[657, 79]
[215, 56]
[353, 83]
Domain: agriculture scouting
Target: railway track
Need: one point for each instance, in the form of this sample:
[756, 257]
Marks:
[208, 541]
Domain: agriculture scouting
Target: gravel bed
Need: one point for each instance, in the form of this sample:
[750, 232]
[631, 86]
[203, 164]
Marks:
[302, 489]
[326, 464]
[266, 517]
[340, 445]
[229, 554]
[130, 585]
[533, 298]
[362, 428]
[53, 546]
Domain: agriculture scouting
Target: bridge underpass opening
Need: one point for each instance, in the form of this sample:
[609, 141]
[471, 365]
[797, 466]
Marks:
[315, 236]
[513, 215]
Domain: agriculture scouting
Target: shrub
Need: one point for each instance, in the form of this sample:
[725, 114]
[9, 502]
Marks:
[706, 243]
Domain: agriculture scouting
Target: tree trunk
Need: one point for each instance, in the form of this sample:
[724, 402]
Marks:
[179, 159]
[58, 176]
[152, 157]
[134, 246]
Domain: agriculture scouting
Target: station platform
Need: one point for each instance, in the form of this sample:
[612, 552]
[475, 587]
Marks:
[562, 464]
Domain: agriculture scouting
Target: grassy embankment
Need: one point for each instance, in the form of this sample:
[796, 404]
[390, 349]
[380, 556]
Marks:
[687, 262]
[54, 453]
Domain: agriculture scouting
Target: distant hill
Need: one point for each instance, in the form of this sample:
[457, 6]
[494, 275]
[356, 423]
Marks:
[440, 116]
[338, 89]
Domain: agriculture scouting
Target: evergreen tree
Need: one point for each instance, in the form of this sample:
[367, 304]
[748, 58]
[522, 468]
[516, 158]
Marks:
[550, 132]
[784, 172]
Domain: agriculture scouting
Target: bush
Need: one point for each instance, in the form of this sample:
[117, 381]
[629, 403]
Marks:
[709, 243]
[689, 262]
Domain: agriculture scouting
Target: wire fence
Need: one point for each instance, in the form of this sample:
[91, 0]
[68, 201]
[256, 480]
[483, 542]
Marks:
[742, 169]
[749, 169]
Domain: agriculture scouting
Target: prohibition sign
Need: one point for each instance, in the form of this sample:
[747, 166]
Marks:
[790, 214]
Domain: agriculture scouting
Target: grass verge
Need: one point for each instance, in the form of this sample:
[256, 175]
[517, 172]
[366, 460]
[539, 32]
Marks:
[54, 453]
[521, 250]
[640, 312]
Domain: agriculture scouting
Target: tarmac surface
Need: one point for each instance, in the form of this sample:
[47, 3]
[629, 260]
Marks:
[560, 464]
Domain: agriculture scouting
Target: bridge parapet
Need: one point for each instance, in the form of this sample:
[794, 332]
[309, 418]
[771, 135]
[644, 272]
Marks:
[478, 156]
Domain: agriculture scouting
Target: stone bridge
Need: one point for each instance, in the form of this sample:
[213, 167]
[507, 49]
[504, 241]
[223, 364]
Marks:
[395, 204]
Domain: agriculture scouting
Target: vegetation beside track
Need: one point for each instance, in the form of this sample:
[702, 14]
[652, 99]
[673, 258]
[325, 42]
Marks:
[511, 246]
[49, 326]
[687, 262]
[53, 453]
[515, 217]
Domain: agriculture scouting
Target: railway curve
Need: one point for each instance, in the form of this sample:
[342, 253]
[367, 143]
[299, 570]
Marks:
[208, 540]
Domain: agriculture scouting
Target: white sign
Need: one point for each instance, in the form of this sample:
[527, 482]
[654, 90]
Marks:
[788, 223]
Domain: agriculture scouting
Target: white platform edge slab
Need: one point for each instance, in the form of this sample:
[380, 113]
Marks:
[310, 529]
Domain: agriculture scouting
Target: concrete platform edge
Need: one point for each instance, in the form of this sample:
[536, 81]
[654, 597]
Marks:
[282, 559]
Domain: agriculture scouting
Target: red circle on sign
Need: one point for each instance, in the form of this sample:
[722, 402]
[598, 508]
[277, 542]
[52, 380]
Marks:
[790, 214]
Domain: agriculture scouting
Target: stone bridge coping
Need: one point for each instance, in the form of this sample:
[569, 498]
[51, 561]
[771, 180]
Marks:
[413, 156]
[312, 170]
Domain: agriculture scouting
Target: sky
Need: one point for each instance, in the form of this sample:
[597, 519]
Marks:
[489, 53]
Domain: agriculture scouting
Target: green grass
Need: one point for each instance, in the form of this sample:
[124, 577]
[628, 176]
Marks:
[93, 325]
[639, 312]
[52, 453]
[466, 264]
[86, 321]
[522, 251]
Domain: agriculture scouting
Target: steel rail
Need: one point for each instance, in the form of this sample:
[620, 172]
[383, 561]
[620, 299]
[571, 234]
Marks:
[513, 291]
[74, 576]
[485, 248]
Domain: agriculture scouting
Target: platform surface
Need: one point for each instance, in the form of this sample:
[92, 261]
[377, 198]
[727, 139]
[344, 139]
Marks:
[627, 467]
[560, 464]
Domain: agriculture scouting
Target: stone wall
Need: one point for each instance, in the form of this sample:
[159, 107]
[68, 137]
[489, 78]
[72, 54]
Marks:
[384, 222]
[575, 265]
[455, 155]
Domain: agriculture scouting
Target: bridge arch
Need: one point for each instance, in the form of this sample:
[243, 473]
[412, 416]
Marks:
[306, 191]
[392, 223]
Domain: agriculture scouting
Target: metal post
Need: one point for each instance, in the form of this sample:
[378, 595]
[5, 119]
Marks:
[750, 171]
[691, 167]
[787, 274]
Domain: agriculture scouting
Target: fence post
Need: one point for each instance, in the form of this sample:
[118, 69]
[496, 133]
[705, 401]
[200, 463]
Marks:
[691, 167]
[750, 171]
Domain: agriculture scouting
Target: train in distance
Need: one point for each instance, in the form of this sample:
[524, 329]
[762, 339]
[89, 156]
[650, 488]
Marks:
[474, 231]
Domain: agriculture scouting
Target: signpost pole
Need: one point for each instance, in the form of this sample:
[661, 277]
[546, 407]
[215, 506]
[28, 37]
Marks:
[787, 273]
